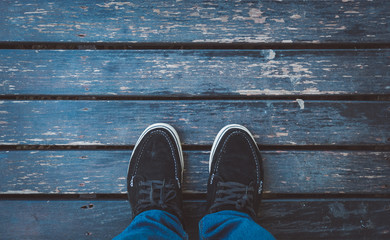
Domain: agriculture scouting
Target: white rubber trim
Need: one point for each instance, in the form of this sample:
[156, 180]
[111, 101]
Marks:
[175, 136]
[219, 136]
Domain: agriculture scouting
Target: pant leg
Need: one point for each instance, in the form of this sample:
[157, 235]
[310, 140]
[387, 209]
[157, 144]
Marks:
[154, 224]
[231, 225]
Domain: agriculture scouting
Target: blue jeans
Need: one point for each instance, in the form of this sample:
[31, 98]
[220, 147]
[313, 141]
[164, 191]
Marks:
[157, 224]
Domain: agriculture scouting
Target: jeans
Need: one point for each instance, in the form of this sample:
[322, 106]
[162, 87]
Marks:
[157, 224]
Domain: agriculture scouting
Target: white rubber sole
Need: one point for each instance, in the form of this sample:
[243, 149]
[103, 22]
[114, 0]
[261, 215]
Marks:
[219, 136]
[175, 136]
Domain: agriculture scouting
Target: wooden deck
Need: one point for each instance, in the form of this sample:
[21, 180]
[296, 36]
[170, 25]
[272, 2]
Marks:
[80, 81]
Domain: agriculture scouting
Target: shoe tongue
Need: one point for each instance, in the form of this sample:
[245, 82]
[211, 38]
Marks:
[239, 204]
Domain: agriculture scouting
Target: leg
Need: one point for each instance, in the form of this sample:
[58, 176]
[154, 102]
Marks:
[234, 187]
[230, 224]
[154, 224]
[154, 185]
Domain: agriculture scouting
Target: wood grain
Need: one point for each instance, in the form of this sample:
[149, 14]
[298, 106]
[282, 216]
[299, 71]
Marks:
[293, 172]
[40, 176]
[212, 73]
[196, 21]
[121, 122]
[322, 219]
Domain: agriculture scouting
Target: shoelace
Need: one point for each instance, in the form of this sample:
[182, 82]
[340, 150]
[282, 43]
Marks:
[157, 194]
[233, 193]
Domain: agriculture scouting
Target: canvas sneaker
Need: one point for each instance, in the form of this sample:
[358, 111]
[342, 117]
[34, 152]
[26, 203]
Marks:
[155, 171]
[236, 179]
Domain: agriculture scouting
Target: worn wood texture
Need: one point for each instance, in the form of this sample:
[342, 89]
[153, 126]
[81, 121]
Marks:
[294, 172]
[194, 72]
[287, 219]
[196, 21]
[121, 122]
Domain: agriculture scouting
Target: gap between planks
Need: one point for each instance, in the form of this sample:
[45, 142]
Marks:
[183, 45]
[313, 97]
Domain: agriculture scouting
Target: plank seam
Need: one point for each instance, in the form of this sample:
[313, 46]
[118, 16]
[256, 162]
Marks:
[313, 97]
[184, 45]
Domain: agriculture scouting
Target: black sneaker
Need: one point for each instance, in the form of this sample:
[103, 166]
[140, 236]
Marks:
[236, 178]
[155, 171]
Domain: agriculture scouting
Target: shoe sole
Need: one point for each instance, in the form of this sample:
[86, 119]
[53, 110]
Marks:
[175, 136]
[219, 137]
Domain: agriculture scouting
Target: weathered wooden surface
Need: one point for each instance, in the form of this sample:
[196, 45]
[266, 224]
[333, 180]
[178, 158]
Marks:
[196, 21]
[211, 77]
[194, 72]
[318, 172]
[287, 219]
[121, 122]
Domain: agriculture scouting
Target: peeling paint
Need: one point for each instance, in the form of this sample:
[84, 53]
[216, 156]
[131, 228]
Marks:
[295, 16]
[280, 134]
[49, 133]
[85, 143]
[256, 15]
[110, 4]
[24, 191]
[301, 103]
[270, 54]
[351, 12]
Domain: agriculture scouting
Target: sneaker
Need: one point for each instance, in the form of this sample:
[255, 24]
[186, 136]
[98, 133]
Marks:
[155, 171]
[236, 179]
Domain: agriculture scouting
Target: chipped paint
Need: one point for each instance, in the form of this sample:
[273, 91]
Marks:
[351, 12]
[295, 16]
[256, 15]
[261, 92]
[85, 143]
[280, 134]
[24, 191]
[37, 11]
[221, 19]
[278, 20]
[124, 88]
[49, 133]
[301, 103]
[269, 54]
[115, 4]
[35, 139]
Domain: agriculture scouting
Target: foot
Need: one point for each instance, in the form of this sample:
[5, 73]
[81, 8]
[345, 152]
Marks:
[236, 179]
[155, 171]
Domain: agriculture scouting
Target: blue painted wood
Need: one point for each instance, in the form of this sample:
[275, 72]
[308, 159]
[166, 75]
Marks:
[64, 172]
[121, 122]
[322, 219]
[195, 21]
[194, 72]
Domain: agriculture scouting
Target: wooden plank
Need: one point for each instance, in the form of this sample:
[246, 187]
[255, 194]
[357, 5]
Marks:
[296, 172]
[196, 21]
[198, 122]
[194, 72]
[288, 219]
